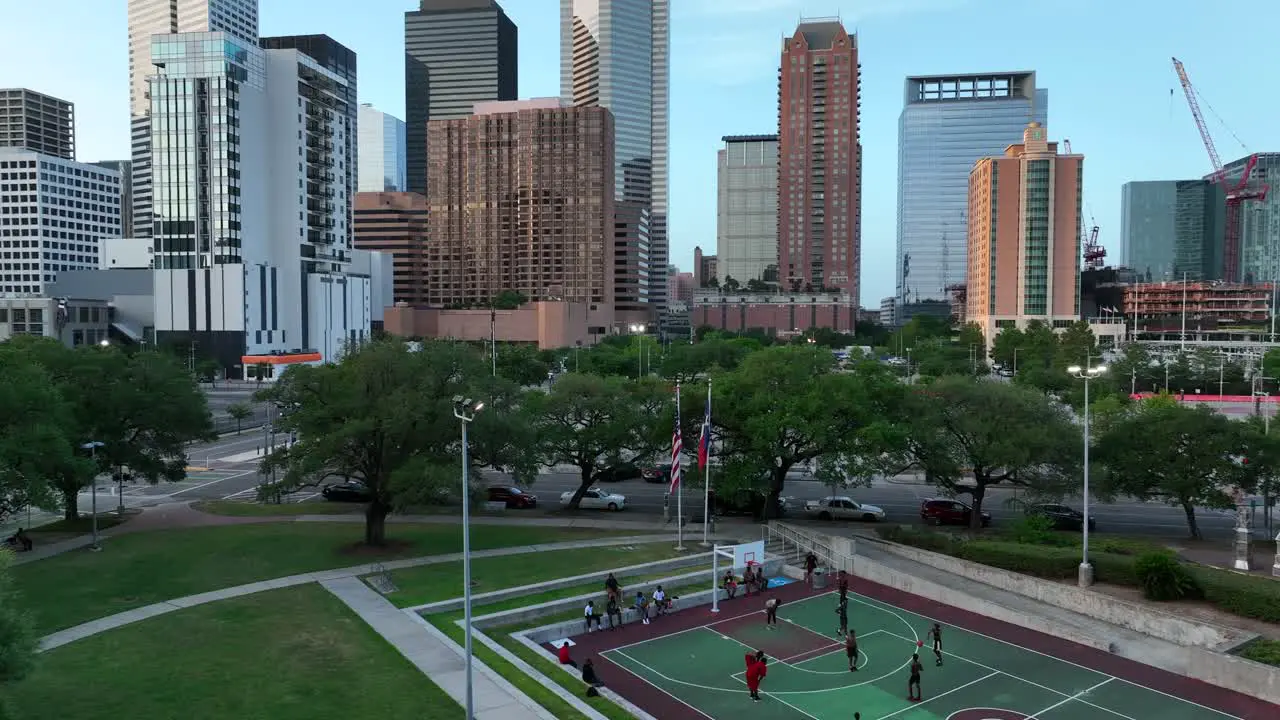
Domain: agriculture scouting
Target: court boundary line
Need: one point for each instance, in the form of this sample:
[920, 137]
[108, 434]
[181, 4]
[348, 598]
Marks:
[768, 694]
[1073, 698]
[958, 688]
[654, 685]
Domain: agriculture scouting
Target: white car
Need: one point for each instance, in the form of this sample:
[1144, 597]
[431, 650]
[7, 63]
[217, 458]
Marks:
[596, 499]
[838, 507]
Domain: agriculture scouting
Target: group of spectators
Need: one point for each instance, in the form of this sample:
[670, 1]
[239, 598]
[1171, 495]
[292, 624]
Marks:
[752, 579]
[645, 607]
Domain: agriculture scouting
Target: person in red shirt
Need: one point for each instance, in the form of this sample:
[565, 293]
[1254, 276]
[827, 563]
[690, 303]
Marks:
[756, 671]
[564, 656]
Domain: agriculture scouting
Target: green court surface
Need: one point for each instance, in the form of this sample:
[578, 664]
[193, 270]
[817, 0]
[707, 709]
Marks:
[808, 676]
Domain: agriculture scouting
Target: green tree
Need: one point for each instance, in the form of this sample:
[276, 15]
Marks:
[997, 433]
[18, 641]
[685, 362]
[784, 406]
[591, 422]
[385, 416]
[731, 284]
[1006, 346]
[260, 371]
[1271, 363]
[1185, 456]
[523, 364]
[208, 369]
[239, 412]
[508, 300]
[34, 445]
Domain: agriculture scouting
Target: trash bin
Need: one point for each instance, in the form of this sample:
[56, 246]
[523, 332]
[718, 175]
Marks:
[819, 578]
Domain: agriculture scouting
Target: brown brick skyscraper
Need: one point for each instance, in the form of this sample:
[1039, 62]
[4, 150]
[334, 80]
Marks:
[820, 167]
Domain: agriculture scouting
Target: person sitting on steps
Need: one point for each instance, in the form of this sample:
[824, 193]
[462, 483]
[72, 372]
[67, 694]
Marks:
[20, 541]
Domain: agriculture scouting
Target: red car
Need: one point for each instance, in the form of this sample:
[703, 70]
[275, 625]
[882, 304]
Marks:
[657, 474]
[514, 497]
[949, 512]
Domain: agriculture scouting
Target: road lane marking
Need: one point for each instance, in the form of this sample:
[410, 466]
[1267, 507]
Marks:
[211, 482]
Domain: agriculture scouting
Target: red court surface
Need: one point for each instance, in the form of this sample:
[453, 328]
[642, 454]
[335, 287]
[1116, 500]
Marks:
[743, 617]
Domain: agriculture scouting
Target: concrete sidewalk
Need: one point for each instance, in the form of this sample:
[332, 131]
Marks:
[493, 697]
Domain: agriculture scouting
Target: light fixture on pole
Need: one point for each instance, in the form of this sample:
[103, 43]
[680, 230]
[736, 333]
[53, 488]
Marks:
[92, 446]
[1087, 373]
[465, 409]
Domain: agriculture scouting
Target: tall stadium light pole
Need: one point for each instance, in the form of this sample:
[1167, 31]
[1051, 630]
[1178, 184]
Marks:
[92, 446]
[1087, 374]
[465, 410]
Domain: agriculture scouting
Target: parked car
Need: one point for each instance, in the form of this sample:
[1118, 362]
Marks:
[949, 512]
[618, 473]
[657, 474]
[745, 502]
[1062, 516]
[350, 491]
[596, 499]
[514, 497]
[839, 507]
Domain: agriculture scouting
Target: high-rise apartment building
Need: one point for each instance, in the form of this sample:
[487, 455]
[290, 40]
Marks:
[253, 154]
[37, 122]
[54, 214]
[125, 169]
[519, 199]
[1172, 228]
[147, 18]
[820, 169]
[457, 53]
[705, 269]
[382, 152]
[1024, 236]
[949, 122]
[747, 207]
[395, 223]
[615, 54]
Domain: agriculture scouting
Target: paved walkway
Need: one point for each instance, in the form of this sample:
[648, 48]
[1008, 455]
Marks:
[437, 658]
[128, 617]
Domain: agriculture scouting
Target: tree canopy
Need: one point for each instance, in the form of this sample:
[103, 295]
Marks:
[18, 641]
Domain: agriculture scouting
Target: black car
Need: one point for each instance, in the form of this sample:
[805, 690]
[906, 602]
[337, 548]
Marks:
[1063, 517]
[744, 502]
[351, 491]
[618, 473]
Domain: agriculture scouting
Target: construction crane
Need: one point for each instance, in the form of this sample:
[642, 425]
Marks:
[1236, 193]
[1094, 254]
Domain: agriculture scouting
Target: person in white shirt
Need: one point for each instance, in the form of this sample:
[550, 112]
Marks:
[589, 616]
[660, 600]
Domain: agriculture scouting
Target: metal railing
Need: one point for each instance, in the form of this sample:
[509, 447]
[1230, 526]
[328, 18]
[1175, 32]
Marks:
[804, 540]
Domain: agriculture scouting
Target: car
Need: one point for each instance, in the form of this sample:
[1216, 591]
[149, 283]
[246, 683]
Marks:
[514, 497]
[843, 508]
[596, 499]
[949, 512]
[350, 491]
[657, 474]
[745, 502]
[1062, 516]
[618, 472]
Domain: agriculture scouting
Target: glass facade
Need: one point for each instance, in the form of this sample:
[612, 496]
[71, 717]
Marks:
[747, 208]
[382, 152]
[1172, 228]
[1260, 221]
[947, 124]
[1035, 250]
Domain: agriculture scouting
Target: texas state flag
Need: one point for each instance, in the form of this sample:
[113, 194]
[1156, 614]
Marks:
[704, 442]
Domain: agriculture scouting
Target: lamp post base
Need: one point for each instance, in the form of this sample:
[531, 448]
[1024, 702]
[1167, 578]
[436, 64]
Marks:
[1085, 578]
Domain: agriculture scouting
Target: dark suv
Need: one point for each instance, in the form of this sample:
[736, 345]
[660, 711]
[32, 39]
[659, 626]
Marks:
[744, 502]
[949, 512]
[1062, 517]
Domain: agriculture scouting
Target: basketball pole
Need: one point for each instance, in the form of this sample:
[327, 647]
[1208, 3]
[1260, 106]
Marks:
[715, 574]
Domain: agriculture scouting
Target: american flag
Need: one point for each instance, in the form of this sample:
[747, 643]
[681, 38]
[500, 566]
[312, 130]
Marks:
[677, 446]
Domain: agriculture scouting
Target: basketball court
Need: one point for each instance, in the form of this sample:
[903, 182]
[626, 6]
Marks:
[691, 665]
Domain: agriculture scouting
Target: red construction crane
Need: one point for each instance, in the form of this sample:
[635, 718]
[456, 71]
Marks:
[1236, 193]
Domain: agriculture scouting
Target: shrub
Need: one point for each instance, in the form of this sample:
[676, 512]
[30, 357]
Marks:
[1039, 560]
[1263, 651]
[1117, 569]
[1244, 595]
[1123, 546]
[1037, 530]
[1162, 577]
[924, 539]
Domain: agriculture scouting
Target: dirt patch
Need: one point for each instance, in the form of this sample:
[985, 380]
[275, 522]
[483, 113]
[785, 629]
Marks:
[393, 548]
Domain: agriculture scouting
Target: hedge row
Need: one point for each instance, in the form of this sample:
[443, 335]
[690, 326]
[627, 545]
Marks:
[1244, 595]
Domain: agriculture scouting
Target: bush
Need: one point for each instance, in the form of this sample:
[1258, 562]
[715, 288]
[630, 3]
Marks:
[924, 539]
[1039, 560]
[1244, 595]
[1117, 569]
[1037, 530]
[1263, 651]
[1162, 577]
[1122, 546]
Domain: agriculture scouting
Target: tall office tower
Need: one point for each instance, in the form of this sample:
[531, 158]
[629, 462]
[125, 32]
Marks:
[747, 207]
[1258, 237]
[820, 173]
[237, 18]
[1024, 236]
[948, 123]
[37, 122]
[518, 199]
[253, 239]
[456, 53]
[56, 212]
[395, 223]
[125, 168]
[382, 152]
[1169, 228]
[615, 54]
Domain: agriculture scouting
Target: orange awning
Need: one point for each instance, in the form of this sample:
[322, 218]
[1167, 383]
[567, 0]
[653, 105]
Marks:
[280, 359]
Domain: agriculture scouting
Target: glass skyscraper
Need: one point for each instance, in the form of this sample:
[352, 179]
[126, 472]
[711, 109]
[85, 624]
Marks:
[948, 123]
[1259, 221]
[747, 208]
[382, 152]
[1172, 228]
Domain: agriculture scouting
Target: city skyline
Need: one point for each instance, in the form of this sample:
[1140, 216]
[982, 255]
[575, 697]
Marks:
[724, 82]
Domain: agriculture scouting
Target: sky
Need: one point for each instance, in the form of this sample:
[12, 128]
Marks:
[1106, 63]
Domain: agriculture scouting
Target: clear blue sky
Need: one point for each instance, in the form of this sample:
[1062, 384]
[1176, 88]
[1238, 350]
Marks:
[1105, 62]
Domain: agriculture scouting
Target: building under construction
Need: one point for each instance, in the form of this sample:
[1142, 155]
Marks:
[1205, 305]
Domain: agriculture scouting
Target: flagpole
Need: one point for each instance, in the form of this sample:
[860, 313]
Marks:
[706, 490]
[679, 486]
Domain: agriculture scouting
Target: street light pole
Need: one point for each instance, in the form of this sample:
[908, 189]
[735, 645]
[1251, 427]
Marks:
[1085, 577]
[92, 446]
[465, 410]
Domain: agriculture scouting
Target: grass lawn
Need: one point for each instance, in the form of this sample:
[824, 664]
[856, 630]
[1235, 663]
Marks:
[291, 654]
[433, 583]
[256, 509]
[138, 569]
